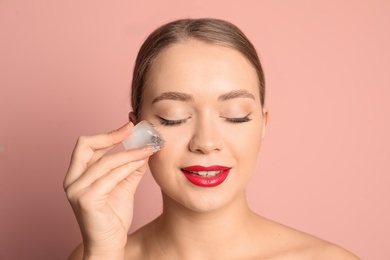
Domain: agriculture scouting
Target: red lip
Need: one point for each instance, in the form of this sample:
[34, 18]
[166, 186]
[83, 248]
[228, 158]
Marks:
[204, 181]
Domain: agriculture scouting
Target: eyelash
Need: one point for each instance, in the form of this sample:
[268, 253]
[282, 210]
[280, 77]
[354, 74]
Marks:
[237, 120]
[166, 122]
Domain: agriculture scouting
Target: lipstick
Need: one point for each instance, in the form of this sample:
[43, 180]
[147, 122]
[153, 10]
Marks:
[203, 176]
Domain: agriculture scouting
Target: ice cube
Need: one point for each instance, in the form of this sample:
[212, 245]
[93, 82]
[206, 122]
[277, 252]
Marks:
[143, 134]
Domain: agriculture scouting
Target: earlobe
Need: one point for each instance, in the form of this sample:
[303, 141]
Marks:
[132, 118]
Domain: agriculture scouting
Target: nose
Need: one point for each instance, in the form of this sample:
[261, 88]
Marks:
[206, 137]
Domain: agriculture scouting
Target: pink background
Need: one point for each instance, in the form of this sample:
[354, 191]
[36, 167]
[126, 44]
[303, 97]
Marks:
[65, 70]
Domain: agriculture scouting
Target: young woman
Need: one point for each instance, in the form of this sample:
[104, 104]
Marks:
[200, 83]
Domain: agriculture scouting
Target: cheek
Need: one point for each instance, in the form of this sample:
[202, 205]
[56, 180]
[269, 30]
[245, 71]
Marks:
[158, 167]
[168, 158]
[247, 147]
[248, 137]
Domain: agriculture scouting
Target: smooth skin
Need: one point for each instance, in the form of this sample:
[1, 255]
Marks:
[205, 101]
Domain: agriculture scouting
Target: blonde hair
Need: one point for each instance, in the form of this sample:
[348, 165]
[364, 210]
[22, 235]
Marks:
[213, 31]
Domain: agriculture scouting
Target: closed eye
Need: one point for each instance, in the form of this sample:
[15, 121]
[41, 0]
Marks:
[237, 120]
[168, 122]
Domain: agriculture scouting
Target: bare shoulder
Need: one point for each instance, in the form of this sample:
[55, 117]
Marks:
[328, 250]
[289, 243]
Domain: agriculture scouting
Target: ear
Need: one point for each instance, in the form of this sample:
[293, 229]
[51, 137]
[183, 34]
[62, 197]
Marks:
[265, 121]
[132, 118]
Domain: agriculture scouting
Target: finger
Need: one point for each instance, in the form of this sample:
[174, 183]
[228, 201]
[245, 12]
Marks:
[87, 146]
[109, 163]
[100, 152]
[128, 173]
[131, 182]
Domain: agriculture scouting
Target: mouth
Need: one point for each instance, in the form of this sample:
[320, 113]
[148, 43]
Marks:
[203, 176]
[206, 173]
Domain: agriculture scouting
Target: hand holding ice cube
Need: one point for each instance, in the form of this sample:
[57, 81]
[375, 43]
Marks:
[101, 187]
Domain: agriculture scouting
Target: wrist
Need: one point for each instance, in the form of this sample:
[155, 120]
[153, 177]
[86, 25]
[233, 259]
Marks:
[103, 255]
[97, 250]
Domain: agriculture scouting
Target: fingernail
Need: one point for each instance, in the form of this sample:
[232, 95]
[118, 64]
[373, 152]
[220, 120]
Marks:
[147, 148]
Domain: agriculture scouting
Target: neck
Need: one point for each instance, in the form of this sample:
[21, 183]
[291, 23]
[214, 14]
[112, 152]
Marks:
[185, 233]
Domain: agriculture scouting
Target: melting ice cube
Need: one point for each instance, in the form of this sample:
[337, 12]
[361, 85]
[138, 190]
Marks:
[144, 134]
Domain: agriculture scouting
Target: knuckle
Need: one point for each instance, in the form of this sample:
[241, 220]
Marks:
[71, 193]
[79, 199]
[111, 133]
[81, 147]
[65, 185]
[82, 140]
[112, 136]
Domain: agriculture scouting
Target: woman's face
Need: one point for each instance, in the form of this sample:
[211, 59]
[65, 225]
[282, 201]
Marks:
[204, 99]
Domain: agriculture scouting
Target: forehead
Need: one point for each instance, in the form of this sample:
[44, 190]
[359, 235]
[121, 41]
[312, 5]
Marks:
[197, 66]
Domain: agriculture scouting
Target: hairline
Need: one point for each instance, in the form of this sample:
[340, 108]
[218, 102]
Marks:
[208, 30]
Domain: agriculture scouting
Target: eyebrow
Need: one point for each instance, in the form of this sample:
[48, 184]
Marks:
[236, 94]
[180, 96]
